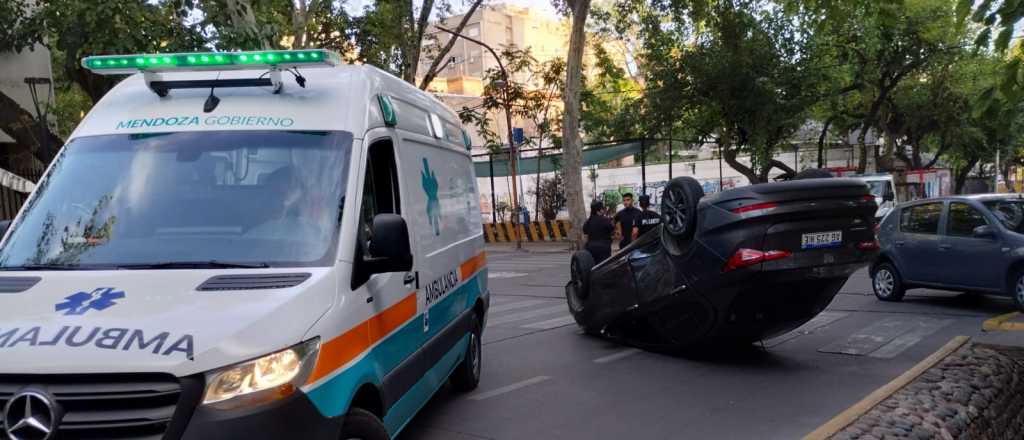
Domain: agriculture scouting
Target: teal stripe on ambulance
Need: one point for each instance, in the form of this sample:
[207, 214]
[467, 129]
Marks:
[333, 396]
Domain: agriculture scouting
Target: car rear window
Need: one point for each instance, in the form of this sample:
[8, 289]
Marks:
[921, 219]
[963, 219]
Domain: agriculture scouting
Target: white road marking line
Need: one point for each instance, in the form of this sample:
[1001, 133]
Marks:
[529, 314]
[504, 275]
[823, 319]
[508, 388]
[616, 356]
[515, 305]
[908, 339]
[871, 338]
[552, 323]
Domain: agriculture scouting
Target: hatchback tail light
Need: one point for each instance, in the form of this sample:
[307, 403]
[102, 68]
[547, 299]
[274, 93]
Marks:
[755, 209]
[868, 245]
[749, 257]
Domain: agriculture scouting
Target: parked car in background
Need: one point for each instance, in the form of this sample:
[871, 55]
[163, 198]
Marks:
[968, 243]
[884, 190]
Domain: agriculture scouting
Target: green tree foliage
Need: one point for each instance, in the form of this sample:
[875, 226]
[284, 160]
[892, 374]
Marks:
[610, 101]
[529, 98]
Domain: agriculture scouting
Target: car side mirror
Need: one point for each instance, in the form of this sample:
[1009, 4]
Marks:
[4, 225]
[389, 245]
[984, 231]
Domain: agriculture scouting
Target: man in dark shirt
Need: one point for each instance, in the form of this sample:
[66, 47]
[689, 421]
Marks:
[648, 219]
[626, 219]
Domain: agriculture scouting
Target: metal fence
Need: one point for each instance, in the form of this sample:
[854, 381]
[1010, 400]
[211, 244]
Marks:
[11, 200]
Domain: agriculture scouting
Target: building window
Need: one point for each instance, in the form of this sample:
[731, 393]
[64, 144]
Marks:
[473, 31]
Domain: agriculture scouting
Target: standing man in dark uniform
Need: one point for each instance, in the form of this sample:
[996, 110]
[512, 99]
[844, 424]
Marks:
[648, 219]
[626, 219]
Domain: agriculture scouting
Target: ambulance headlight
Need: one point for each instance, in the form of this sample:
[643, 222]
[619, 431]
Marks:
[271, 377]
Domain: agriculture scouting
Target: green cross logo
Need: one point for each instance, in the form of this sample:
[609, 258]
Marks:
[429, 181]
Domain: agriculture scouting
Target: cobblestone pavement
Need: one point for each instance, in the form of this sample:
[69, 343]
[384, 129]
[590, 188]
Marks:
[976, 393]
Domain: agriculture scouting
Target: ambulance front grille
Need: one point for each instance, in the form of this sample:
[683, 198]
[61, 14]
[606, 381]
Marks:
[121, 406]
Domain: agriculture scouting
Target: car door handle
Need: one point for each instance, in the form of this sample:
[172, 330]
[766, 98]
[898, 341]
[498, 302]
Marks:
[945, 247]
[409, 278]
[900, 243]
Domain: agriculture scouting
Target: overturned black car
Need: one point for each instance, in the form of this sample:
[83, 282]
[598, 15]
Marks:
[741, 265]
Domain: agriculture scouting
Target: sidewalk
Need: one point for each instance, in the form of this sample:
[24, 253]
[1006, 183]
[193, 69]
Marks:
[539, 247]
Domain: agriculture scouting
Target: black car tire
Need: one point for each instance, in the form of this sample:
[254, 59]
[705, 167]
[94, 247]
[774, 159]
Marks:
[887, 284]
[578, 289]
[679, 206]
[466, 376]
[1017, 290]
[363, 425]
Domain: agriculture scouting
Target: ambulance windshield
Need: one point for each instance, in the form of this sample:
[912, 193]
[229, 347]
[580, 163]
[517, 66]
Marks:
[180, 200]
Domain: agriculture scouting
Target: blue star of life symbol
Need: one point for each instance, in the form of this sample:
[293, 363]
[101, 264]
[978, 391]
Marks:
[101, 298]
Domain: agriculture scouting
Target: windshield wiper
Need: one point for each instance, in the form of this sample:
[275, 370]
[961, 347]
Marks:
[48, 267]
[207, 264]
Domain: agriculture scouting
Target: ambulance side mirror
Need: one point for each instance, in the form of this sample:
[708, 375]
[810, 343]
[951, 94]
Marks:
[389, 245]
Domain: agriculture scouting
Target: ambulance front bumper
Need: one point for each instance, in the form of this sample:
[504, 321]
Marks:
[291, 417]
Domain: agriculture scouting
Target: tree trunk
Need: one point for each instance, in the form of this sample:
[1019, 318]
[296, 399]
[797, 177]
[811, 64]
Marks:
[300, 17]
[960, 177]
[729, 155]
[862, 162]
[572, 143]
[821, 141]
[415, 42]
[23, 127]
[435, 65]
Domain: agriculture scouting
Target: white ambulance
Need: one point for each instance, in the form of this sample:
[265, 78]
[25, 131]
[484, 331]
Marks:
[244, 245]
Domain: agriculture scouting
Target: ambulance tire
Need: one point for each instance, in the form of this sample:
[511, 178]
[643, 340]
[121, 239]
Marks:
[363, 425]
[466, 376]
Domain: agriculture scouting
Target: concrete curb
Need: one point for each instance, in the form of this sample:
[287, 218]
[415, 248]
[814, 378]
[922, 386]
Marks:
[851, 414]
[1000, 323]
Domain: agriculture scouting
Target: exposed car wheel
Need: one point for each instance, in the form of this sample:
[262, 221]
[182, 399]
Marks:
[679, 206]
[466, 376]
[1018, 291]
[578, 289]
[363, 425]
[886, 283]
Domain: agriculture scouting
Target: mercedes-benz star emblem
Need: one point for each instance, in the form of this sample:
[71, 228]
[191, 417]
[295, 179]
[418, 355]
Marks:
[31, 415]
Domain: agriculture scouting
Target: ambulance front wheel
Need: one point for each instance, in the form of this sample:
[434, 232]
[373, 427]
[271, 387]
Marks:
[363, 425]
[466, 376]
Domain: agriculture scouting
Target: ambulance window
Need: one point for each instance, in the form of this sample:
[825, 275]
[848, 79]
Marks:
[380, 190]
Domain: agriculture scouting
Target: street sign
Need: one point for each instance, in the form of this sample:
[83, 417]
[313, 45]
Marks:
[517, 135]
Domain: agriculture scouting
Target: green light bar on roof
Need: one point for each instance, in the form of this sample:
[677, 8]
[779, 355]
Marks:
[283, 59]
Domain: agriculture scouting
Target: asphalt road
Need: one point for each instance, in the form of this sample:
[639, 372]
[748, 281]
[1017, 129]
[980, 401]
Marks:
[543, 379]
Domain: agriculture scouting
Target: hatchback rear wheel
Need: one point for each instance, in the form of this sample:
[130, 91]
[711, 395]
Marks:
[887, 284]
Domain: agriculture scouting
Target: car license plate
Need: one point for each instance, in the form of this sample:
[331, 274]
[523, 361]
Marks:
[819, 240]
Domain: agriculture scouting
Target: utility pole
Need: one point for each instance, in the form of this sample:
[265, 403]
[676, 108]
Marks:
[514, 155]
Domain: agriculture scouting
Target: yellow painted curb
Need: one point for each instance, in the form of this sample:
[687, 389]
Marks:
[999, 323]
[851, 414]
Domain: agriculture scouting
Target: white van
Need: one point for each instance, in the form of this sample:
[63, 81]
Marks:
[244, 245]
[882, 187]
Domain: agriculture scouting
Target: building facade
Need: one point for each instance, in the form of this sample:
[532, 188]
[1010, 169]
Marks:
[499, 26]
